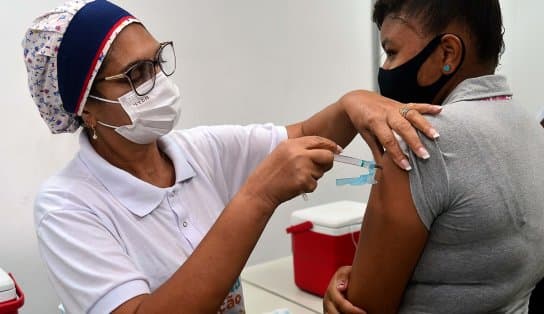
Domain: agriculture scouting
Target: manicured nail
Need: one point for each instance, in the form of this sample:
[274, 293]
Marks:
[434, 133]
[405, 165]
[423, 153]
[339, 149]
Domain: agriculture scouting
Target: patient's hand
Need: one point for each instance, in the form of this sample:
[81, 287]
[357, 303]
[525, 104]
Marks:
[335, 301]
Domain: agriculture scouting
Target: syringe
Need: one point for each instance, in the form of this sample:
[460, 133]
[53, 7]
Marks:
[356, 162]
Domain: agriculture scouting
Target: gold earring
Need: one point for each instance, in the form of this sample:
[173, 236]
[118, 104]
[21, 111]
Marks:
[95, 137]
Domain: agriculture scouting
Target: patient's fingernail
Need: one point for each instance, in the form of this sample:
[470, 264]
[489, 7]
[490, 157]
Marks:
[405, 165]
[339, 149]
[423, 153]
[434, 133]
[438, 107]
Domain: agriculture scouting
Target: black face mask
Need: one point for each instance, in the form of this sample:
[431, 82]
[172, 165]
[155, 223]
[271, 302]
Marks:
[401, 83]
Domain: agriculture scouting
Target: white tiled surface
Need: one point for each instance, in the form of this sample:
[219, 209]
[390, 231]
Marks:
[269, 286]
[258, 301]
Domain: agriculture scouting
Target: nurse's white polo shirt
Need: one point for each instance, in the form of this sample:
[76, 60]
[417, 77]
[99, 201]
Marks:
[106, 236]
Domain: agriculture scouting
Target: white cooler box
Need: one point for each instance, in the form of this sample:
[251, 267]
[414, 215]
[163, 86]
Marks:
[11, 296]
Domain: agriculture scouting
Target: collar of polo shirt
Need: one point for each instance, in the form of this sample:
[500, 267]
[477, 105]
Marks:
[138, 196]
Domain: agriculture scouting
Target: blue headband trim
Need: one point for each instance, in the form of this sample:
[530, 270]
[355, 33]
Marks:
[81, 47]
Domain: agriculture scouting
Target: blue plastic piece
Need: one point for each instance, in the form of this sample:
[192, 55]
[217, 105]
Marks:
[361, 180]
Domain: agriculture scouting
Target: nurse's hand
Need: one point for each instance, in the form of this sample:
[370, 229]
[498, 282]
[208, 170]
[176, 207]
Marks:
[335, 301]
[375, 117]
[291, 169]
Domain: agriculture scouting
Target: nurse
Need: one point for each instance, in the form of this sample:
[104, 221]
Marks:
[149, 220]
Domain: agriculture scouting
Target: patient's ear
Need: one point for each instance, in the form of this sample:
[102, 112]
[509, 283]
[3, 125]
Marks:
[452, 53]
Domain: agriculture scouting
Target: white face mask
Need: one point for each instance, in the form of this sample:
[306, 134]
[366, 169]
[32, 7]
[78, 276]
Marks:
[152, 115]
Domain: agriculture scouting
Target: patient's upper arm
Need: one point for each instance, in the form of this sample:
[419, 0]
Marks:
[392, 239]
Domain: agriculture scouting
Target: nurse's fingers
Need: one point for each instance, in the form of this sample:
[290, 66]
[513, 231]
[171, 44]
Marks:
[404, 122]
[323, 157]
[426, 108]
[318, 142]
[385, 136]
[415, 117]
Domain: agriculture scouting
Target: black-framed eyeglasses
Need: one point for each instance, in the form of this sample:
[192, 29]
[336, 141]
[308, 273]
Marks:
[141, 75]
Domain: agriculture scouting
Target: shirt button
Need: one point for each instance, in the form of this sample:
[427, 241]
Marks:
[185, 224]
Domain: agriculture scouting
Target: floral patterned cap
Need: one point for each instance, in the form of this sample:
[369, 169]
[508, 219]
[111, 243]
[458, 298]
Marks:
[63, 52]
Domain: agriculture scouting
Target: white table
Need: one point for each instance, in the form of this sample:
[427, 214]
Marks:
[270, 286]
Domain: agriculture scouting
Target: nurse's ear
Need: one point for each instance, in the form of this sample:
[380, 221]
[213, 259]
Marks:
[89, 120]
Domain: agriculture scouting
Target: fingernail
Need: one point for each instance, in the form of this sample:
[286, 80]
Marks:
[434, 133]
[423, 153]
[438, 107]
[339, 149]
[405, 165]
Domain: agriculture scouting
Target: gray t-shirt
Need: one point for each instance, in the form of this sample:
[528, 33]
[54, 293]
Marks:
[480, 195]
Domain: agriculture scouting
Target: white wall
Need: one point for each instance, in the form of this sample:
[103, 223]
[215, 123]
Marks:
[522, 61]
[240, 61]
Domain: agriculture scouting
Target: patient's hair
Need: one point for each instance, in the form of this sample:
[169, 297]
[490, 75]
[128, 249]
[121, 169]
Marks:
[482, 17]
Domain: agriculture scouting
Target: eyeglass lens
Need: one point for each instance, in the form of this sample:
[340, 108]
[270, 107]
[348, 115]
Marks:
[145, 71]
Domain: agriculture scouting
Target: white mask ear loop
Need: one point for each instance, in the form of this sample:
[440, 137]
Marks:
[107, 125]
[105, 100]
[109, 102]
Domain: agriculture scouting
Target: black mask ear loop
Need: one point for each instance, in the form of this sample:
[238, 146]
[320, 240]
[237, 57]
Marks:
[432, 47]
[443, 80]
[401, 83]
[435, 87]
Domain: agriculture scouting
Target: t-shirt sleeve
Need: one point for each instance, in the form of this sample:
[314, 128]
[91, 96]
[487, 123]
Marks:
[239, 149]
[87, 266]
[429, 181]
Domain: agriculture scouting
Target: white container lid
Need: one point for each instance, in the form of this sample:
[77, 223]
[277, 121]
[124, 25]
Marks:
[7, 287]
[336, 218]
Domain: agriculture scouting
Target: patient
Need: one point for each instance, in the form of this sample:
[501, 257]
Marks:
[463, 231]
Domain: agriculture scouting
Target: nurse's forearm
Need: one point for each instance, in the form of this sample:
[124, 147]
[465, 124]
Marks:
[332, 122]
[375, 117]
[355, 112]
[204, 280]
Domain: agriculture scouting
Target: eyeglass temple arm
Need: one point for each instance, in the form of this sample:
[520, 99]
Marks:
[114, 77]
